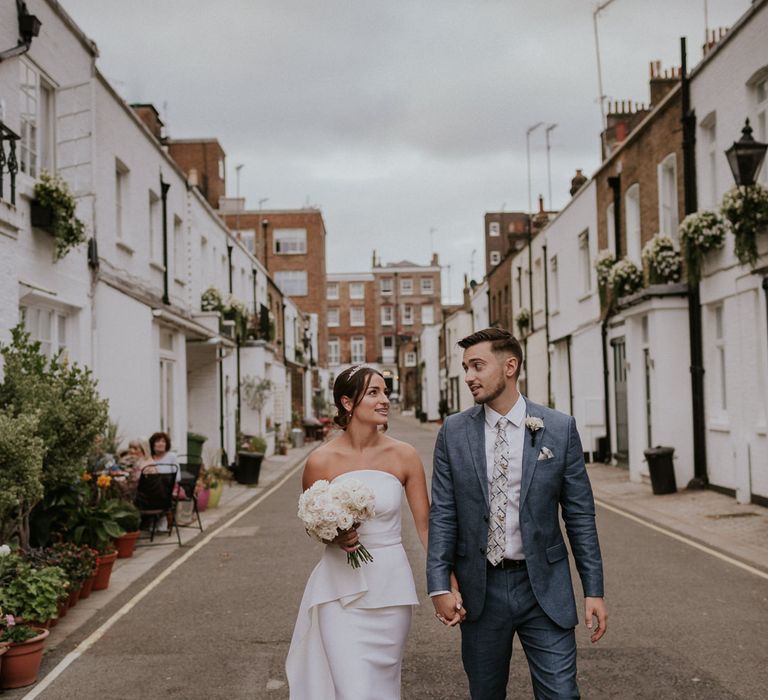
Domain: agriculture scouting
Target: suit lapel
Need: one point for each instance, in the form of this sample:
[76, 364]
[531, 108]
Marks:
[531, 448]
[476, 439]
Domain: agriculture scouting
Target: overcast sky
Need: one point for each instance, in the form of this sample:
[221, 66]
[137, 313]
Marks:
[393, 116]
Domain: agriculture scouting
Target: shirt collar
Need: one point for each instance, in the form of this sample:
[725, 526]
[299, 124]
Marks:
[516, 414]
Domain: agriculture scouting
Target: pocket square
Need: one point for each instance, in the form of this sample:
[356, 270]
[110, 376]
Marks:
[545, 453]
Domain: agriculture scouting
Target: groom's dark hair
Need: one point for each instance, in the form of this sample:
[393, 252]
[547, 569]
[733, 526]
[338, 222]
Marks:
[501, 340]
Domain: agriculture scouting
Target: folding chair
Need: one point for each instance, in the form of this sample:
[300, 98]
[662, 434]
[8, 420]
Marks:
[189, 476]
[154, 496]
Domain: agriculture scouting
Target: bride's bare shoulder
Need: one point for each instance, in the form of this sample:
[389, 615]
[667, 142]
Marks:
[320, 464]
[403, 450]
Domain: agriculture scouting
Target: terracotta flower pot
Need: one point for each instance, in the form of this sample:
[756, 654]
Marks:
[21, 661]
[215, 495]
[74, 596]
[87, 586]
[105, 562]
[202, 499]
[126, 544]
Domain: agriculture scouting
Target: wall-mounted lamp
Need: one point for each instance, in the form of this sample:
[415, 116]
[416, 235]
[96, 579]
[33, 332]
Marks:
[29, 28]
[745, 157]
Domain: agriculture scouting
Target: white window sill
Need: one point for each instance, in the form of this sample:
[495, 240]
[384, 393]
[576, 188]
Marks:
[157, 266]
[122, 245]
[719, 425]
[556, 312]
[357, 325]
[585, 296]
[180, 282]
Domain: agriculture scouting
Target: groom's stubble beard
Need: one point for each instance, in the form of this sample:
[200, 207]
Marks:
[493, 393]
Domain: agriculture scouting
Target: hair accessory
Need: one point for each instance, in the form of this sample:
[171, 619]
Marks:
[354, 370]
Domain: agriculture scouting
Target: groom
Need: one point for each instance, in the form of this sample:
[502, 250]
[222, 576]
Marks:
[502, 471]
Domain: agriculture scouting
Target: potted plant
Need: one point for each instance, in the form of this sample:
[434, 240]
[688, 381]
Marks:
[700, 233]
[523, 320]
[662, 261]
[53, 209]
[127, 517]
[32, 594]
[249, 459]
[604, 263]
[78, 562]
[746, 209]
[23, 652]
[625, 278]
[215, 478]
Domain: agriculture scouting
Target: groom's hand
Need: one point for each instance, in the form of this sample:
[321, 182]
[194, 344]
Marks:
[448, 609]
[595, 607]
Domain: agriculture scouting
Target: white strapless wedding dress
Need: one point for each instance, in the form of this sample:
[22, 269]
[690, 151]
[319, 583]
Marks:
[353, 623]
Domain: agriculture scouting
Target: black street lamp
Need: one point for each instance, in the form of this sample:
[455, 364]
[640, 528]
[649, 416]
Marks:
[745, 157]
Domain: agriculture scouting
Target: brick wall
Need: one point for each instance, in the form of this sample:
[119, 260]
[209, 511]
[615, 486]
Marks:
[200, 159]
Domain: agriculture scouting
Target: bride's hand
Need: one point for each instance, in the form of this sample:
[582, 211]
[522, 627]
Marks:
[348, 540]
[457, 595]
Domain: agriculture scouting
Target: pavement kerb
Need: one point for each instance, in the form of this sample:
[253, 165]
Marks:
[154, 558]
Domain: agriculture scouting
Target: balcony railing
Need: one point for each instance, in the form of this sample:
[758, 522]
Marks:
[8, 163]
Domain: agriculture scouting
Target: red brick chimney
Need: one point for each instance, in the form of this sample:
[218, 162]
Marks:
[151, 118]
[203, 162]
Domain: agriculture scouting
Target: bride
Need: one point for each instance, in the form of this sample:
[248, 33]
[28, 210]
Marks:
[353, 623]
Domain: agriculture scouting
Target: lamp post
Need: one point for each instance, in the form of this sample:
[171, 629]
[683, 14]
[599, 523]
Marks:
[550, 128]
[528, 133]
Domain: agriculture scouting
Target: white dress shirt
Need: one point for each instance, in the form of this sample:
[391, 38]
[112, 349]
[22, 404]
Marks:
[515, 430]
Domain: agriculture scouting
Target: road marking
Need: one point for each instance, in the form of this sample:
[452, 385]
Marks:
[683, 538]
[87, 643]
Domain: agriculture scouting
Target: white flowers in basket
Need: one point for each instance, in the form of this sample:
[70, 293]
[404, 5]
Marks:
[700, 232]
[663, 261]
[603, 265]
[326, 509]
[625, 278]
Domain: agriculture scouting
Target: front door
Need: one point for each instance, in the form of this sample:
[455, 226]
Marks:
[620, 387]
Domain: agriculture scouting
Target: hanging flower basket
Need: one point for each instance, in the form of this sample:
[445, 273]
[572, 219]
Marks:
[603, 265]
[625, 278]
[700, 233]
[523, 320]
[746, 209]
[662, 261]
[53, 209]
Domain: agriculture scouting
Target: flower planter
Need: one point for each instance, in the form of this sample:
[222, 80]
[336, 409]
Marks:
[87, 586]
[74, 596]
[3, 649]
[126, 544]
[215, 495]
[105, 562]
[202, 499]
[21, 661]
[41, 216]
[63, 608]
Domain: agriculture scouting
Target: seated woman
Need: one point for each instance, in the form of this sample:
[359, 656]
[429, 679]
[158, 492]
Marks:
[160, 446]
[137, 458]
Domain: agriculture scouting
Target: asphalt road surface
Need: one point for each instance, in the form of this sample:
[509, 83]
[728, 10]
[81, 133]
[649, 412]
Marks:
[683, 624]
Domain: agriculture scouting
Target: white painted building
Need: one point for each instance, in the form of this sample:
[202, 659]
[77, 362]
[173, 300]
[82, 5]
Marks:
[429, 356]
[478, 300]
[727, 87]
[457, 325]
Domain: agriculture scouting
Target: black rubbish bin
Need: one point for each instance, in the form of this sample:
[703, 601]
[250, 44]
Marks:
[662, 469]
[248, 467]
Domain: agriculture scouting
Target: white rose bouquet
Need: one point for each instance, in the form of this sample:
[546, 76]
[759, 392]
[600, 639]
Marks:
[327, 509]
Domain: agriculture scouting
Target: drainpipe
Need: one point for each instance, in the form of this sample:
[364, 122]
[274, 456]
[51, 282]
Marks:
[568, 342]
[700, 478]
[606, 383]
[229, 258]
[614, 182]
[546, 326]
[164, 187]
[220, 353]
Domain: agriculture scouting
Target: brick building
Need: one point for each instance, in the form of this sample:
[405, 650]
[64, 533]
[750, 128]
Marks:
[408, 297]
[504, 231]
[203, 160]
[351, 315]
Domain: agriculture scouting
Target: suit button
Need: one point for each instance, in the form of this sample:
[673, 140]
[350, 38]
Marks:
[482, 550]
[485, 517]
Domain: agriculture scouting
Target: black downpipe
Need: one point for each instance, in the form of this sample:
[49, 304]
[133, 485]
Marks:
[700, 477]
[614, 182]
[229, 258]
[164, 187]
[765, 289]
[570, 375]
[220, 352]
[546, 326]
[606, 389]
[239, 397]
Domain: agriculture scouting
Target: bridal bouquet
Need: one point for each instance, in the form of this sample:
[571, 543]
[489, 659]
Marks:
[326, 509]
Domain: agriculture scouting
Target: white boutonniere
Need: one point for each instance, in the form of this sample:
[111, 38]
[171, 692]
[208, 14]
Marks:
[533, 424]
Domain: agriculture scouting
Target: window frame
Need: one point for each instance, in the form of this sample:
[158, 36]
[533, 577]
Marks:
[357, 310]
[667, 187]
[357, 290]
[283, 243]
[328, 295]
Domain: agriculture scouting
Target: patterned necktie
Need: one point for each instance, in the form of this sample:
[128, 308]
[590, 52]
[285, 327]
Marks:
[497, 526]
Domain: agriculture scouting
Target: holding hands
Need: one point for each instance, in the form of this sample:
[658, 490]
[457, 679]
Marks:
[449, 607]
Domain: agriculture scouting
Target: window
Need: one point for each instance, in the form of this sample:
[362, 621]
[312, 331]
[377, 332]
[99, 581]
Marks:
[289, 241]
[166, 394]
[427, 314]
[47, 326]
[495, 257]
[554, 284]
[332, 290]
[406, 285]
[668, 215]
[155, 234]
[333, 317]
[292, 282]
[427, 285]
[248, 237]
[632, 204]
[357, 316]
[334, 351]
[356, 290]
[610, 221]
[178, 249]
[386, 285]
[410, 359]
[761, 120]
[494, 228]
[36, 123]
[538, 283]
[358, 349]
[709, 181]
[388, 348]
[721, 401]
[121, 190]
[407, 314]
[585, 264]
[387, 317]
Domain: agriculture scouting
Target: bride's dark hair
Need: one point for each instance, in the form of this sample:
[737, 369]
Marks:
[353, 383]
